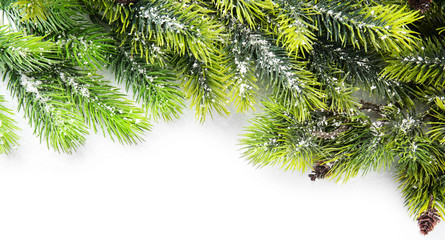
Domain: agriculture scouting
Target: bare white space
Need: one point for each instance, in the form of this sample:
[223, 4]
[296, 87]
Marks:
[187, 181]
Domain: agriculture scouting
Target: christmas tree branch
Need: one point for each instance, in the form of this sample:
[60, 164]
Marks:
[361, 149]
[175, 27]
[382, 27]
[117, 15]
[425, 64]
[8, 129]
[204, 84]
[153, 86]
[363, 70]
[48, 107]
[103, 105]
[293, 26]
[243, 85]
[339, 95]
[86, 45]
[292, 84]
[45, 16]
[418, 173]
[23, 53]
[245, 11]
[278, 138]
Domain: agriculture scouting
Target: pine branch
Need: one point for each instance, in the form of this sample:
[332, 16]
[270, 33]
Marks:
[204, 84]
[403, 122]
[8, 129]
[86, 45]
[153, 86]
[294, 27]
[243, 85]
[383, 28]
[424, 65]
[5, 4]
[245, 11]
[291, 83]
[32, 10]
[278, 138]
[102, 105]
[48, 107]
[117, 15]
[151, 53]
[361, 149]
[437, 129]
[363, 71]
[339, 95]
[176, 28]
[78, 39]
[418, 173]
[45, 16]
[23, 53]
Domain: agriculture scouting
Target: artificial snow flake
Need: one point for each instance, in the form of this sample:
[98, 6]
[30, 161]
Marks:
[30, 84]
[406, 124]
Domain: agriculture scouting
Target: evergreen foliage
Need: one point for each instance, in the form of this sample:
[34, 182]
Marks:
[344, 87]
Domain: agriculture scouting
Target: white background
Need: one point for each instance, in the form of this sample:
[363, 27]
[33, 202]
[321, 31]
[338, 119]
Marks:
[187, 181]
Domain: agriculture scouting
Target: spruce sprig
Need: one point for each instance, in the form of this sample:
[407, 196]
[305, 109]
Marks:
[8, 129]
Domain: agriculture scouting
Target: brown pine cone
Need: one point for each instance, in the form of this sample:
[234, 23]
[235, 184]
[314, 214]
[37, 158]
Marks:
[428, 220]
[321, 170]
[421, 5]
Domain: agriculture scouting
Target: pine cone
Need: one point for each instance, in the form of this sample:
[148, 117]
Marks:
[321, 170]
[421, 5]
[125, 2]
[428, 220]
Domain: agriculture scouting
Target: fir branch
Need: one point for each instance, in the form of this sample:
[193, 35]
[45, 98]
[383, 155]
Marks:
[245, 11]
[382, 27]
[153, 86]
[23, 53]
[437, 129]
[292, 83]
[363, 70]
[8, 129]
[404, 122]
[204, 84]
[86, 45]
[277, 138]
[293, 26]
[103, 105]
[424, 65]
[418, 173]
[243, 83]
[149, 51]
[117, 15]
[6, 4]
[175, 27]
[77, 38]
[361, 149]
[45, 16]
[32, 10]
[339, 95]
[48, 107]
